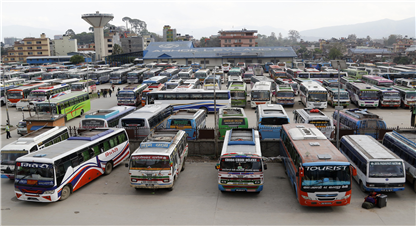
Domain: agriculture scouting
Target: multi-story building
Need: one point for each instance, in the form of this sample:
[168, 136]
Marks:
[28, 47]
[147, 39]
[402, 44]
[132, 44]
[238, 38]
[169, 34]
[185, 37]
[63, 45]
[110, 40]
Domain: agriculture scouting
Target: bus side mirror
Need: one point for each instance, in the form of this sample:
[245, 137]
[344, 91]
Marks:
[126, 165]
[300, 172]
[354, 171]
[217, 166]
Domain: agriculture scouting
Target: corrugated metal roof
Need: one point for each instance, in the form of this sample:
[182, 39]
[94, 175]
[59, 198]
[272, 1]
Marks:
[370, 51]
[185, 49]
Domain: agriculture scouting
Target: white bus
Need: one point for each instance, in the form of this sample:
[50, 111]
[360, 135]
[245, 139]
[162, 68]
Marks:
[241, 167]
[131, 95]
[31, 142]
[261, 93]
[158, 161]
[84, 85]
[313, 95]
[53, 173]
[105, 118]
[147, 118]
[173, 83]
[317, 118]
[192, 99]
[378, 169]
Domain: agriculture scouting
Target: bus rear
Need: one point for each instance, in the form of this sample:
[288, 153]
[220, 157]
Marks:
[270, 118]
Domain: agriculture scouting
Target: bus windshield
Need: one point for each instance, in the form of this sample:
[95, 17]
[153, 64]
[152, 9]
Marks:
[316, 96]
[386, 169]
[238, 95]
[126, 95]
[260, 95]
[342, 96]
[9, 157]
[285, 94]
[150, 162]
[37, 94]
[46, 76]
[180, 122]
[273, 121]
[368, 94]
[388, 95]
[14, 95]
[34, 174]
[241, 165]
[408, 96]
[326, 177]
[45, 108]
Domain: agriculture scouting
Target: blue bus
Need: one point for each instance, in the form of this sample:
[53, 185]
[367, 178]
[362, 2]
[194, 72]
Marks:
[270, 118]
[267, 66]
[195, 67]
[105, 118]
[190, 121]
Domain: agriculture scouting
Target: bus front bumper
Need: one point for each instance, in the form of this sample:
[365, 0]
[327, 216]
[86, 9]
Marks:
[151, 186]
[238, 188]
[341, 202]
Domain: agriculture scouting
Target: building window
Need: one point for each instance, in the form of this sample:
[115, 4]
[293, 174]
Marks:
[19, 47]
[110, 51]
[21, 58]
[109, 40]
[39, 47]
[249, 40]
[11, 58]
[29, 47]
[20, 53]
[110, 45]
[38, 42]
[189, 62]
[259, 61]
[206, 62]
[236, 40]
[28, 42]
[249, 45]
[11, 54]
[39, 53]
[30, 53]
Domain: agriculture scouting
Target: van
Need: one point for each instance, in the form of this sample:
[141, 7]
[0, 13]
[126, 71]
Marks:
[21, 128]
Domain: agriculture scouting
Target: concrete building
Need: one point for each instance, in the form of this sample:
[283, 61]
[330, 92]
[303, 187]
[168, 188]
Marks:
[169, 34]
[132, 44]
[402, 44]
[185, 37]
[184, 52]
[238, 38]
[64, 45]
[147, 39]
[110, 40]
[28, 47]
[11, 40]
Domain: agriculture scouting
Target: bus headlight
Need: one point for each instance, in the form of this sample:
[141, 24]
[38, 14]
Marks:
[257, 182]
[369, 185]
[346, 197]
[223, 181]
[306, 197]
[49, 192]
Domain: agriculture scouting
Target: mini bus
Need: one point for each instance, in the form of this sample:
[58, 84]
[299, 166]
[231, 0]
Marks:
[407, 96]
[53, 173]
[231, 118]
[403, 144]
[318, 172]
[36, 140]
[85, 86]
[188, 120]
[210, 81]
[313, 95]
[241, 167]
[159, 160]
[147, 118]
[226, 66]
[317, 118]
[261, 93]
[238, 91]
[344, 98]
[136, 76]
[285, 95]
[362, 121]
[173, 83]
[270, 118]
[131, 95]
[389, 97]
[202, 74]
[105, 118]
[378, 168]
[185, 74]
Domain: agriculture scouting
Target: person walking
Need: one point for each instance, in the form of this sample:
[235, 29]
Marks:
[8, 131]
[105, 93]
[98, 93]
[109, 92]
[112, 86]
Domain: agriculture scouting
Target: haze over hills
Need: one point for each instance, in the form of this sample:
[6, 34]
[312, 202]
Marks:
[19, 31]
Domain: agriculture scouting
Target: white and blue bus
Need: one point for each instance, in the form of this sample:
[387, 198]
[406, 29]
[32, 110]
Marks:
[189, 121]
[378, 168]
[105, 118]
[270, 118]
[101, 76]
[119, 77]
[136, 76]
[192, 99]
[131, 95]
[53, 173]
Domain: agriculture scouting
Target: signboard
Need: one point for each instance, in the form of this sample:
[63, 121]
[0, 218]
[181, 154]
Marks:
[233, 121]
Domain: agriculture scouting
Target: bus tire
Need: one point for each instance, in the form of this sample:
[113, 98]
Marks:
[362, 187]
[66, 192]
[108, 168]
[173, 185]
[82, 112]
[183, 166]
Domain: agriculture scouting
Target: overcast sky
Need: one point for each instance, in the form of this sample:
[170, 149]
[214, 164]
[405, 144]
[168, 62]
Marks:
[191, 17]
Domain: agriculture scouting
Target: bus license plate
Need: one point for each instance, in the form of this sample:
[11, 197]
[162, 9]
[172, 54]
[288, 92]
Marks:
[326, 203]
[240, 189]
[150, 182]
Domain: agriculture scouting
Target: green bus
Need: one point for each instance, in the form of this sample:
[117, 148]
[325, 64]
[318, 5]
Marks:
[231, 118]
[355, 73]
[238, 91]
[72, 105]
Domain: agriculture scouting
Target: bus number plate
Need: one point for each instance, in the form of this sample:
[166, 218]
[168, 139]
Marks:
[240, 189]
[326, 203]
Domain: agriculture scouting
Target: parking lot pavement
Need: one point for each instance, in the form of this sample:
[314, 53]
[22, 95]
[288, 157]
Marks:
[196, 200]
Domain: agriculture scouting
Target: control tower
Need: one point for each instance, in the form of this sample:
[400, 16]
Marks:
[98, 20]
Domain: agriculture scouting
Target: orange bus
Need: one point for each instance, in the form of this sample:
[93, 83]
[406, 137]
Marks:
[21, 92]
[318, 172]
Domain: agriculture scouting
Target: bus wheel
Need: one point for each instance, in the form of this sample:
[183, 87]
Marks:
[108, 168]
[183, 166]
[82, 112]
[362, 187]
[66, 191]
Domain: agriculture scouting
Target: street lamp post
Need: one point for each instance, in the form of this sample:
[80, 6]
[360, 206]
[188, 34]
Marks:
[215, 121]
[340, 64]
[6, 98]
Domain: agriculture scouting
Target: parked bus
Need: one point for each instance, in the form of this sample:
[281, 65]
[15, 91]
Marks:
[83, 75]
[290, 82]
[48, 92]
[270, 118]
[84, 86]
[317, 171]
[136, 76]
[292, 73]
[159, 160]
[363, 95]
[344, 98]
[267, 66]
[378, 168]
[402, 144]
[316, 118]
[185, 74]
[21, 92]
[277, 72]
[212, 82]
[147, 118]
[131, 95]
[238, 92]
[226, 66]
[362, 121]
[151, 73]
[313, 95]
[394, 76]
[285, 95]
[190, 121]
[195, 67]
[389, 97]
[202, 74]
[231, 118]
[411, 83]
[330, 83]
[261, 93]
[377, 80]
[407, 96]
[105, 118]
[241, 167]
[54, 173]
[355, 73]
[37, 75]
[248, 76]
[101, 76]
[170, 73]
[219, 72]
[235, 71]
[119, 77]
[72, 105]
[14, 82]
[41, 138]
[192, 99]
[173, 83]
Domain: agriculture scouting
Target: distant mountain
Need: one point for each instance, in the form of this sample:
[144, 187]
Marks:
[376, 29]
[19, 31]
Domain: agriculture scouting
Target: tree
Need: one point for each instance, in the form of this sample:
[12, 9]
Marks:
[352, 37]
[137, 25]
[401, 60]
[76, 59]
[294, 35]
[70, 33]
[334, 53]
[126, 19]
[280, 39]
[117, 50]
[318, 51]
[391, 40]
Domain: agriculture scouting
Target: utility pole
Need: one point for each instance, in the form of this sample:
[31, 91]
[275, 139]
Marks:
[6, 98]
[340, 64]
[215, 121]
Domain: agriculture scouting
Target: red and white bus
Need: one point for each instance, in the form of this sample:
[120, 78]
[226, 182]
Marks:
[318, 172]
[21, 92]
[84, 85]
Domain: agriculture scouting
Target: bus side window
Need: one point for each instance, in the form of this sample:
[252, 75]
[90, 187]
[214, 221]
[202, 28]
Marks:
[96, 150]
[85, 155]
[34, 148]
[111, 141]
[106, 145]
